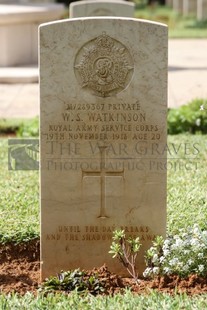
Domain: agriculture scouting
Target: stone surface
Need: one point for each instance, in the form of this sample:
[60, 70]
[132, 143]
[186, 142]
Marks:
[189, 7]
[103, 105]
[169, 3]
[19, 31]
[101, 8]
[202, 9]
[178, 6]
[15, 75]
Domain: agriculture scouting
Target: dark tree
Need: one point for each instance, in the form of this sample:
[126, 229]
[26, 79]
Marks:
[66, 2]
[162, 2]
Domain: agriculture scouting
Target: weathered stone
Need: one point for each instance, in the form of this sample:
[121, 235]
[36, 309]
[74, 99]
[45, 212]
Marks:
[101, 8]
[189, 7]
[202, 9]
[178, 6]
[103, 98]
[169, 3]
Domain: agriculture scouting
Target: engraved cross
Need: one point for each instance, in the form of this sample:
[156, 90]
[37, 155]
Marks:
[102, 173]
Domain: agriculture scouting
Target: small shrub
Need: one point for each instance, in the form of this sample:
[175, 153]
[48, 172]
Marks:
[73, 280]
[126, 251]
[182, 254]
[29, 128]
[8, 127]
[188, 118]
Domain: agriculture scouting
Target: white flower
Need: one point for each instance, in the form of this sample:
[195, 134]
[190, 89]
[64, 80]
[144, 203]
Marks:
[174, 246]
[174, 261]
[156, 270]
[166, 252]
[166, 243]
[205, 233]
[185, 268]
[200, 268]
[196, 230]
[200, 255]
[198, 122]
[194, 242]
[166, 270]
[190, 262]
[202, 107]
[147, 272]
[155, 258]
[179, 242]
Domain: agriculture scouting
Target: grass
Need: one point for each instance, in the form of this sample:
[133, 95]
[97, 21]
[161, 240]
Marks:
[19, 201]
[186, 205]
[187, 179]
[127, 301]
[179, 26]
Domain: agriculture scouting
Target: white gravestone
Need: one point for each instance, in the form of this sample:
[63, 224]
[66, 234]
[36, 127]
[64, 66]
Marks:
[178, 6]
[202, 10]
[103, 101]
[189, 7]
[169, 3]
[101, 8]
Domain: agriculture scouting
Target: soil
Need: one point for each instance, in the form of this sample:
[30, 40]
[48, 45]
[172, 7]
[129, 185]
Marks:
[20, 272]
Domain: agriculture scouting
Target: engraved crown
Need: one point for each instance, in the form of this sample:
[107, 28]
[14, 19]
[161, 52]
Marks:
[104, 41]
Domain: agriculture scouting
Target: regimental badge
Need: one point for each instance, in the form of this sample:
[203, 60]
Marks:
[104, 66]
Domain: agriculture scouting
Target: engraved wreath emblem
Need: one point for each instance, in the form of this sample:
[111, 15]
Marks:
[104, 65]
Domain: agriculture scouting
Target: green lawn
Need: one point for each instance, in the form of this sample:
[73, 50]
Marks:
[186, 205]
[19, 201]
[128, 301]
[187, 179]
[179, 26]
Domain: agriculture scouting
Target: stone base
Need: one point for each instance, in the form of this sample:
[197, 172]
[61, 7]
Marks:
[16, 75]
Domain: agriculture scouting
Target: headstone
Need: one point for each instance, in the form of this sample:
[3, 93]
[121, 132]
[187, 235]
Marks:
[169, 3]
[202, 9]
[101, 8]
[178, 6]
[189, 7]
[19, 31]
[103, 101]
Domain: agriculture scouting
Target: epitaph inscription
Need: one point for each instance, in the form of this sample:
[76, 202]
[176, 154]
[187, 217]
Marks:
[104, 65]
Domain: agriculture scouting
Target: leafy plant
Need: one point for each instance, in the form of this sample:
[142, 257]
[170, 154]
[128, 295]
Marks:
[126, 250]
[73, 280]
[20, 127]
[182, 254]
[9, 126]
[188, 118]
[29, 128]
